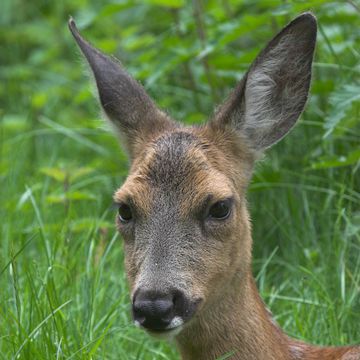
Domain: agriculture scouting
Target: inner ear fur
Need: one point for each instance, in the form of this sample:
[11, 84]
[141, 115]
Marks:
[271, 96]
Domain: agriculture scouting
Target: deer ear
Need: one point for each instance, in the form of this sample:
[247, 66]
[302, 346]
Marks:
[269, 99]
[124, 100]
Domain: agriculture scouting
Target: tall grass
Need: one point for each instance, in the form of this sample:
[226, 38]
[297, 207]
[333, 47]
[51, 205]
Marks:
[63, 289]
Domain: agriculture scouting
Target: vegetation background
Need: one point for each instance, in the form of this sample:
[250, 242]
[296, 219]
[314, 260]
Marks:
[63, 290]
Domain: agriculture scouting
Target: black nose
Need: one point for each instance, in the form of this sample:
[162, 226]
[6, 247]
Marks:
[155, 310]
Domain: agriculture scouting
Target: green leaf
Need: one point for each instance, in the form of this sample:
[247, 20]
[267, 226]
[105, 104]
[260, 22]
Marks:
[336, 161]
[80, 195]
[88, 223]
[56, 199]
[55, 173]
[167, 3]
[75, 174]
[71, 195]
[14, 122]
[341, 100]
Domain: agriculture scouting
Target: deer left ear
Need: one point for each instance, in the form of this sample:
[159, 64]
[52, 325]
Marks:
[267, 102]
[125, 102]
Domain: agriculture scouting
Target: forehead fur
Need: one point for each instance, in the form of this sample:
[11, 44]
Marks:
[174, 157]
[190, 162]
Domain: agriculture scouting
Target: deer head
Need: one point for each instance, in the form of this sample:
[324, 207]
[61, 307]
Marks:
[182, 210]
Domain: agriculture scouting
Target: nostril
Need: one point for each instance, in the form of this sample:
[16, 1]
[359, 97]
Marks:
[179, 301]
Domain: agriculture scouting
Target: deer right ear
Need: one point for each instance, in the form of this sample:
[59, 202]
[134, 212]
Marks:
[123, 99]
[271, 96]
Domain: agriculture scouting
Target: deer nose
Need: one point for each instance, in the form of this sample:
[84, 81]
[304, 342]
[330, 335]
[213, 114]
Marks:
[157, 311]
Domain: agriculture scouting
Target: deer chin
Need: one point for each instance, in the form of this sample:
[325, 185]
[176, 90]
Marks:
[174, 329]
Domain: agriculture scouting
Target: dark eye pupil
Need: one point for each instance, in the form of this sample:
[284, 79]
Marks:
[125, 212]
[220, 210]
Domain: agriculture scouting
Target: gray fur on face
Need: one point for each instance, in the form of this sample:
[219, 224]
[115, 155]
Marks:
[166, 243]
[171, 163]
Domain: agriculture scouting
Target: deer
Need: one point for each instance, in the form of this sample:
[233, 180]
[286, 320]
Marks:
[182, 210]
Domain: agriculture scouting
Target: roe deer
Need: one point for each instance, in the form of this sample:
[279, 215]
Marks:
[182, 211]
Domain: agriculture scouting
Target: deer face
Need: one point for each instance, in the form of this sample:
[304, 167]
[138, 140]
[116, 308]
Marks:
[184, 225]
[182, 210]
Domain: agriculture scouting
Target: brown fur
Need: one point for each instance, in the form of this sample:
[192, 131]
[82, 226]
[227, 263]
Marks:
[178, 173]
[234, 319]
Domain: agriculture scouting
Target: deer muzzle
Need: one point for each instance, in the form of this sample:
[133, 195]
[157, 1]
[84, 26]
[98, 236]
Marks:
[162, 312]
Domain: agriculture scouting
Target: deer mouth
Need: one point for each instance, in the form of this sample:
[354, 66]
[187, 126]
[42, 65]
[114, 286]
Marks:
[173, 329]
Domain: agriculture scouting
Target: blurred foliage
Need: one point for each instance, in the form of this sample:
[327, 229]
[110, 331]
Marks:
[58, 167]
[188, 55]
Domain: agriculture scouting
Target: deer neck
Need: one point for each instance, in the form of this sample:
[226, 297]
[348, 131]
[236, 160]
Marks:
[239, 324]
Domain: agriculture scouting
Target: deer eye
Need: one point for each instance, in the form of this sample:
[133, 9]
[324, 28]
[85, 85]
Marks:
[220, 210]
[125, 214]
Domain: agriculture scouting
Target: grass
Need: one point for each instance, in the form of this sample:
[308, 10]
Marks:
[63, 289]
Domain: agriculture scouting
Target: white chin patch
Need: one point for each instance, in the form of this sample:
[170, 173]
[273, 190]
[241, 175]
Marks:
[175, 322]
[137, 324]
[174, 328]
